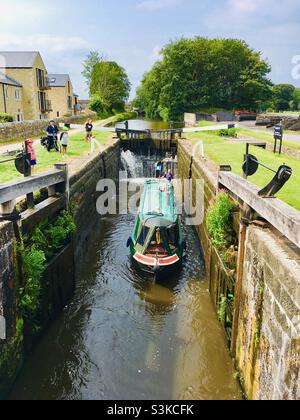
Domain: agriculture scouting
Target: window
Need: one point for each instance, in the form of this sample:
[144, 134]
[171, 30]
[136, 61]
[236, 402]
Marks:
[18, 94]
[6, 91]
[70, 102]
[40, 75]
[57, 114]
[173, 235]
[143, 235]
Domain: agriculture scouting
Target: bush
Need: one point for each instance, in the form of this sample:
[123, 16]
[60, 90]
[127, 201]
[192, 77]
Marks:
[218, 223]
[228, 132]
[98, 105]
[6, 118]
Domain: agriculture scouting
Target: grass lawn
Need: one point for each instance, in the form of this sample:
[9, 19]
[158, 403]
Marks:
[284, 113]
[45, 161]
[222, 152]
[208, 123]
[269, 137]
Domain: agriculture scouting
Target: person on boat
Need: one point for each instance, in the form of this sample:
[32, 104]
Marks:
[126, 125]
[169, 176]
[158, 169]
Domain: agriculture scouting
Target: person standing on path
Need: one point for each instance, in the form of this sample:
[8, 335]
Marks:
[64, 140]
[89, 129]
[52, 132]
[30, 150]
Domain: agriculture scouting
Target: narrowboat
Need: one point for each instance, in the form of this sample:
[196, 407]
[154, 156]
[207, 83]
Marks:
[157, 245]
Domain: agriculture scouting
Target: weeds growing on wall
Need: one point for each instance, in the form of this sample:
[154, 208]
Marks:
[42, 245]
[218, 223]
[50, 239]
[33, 267]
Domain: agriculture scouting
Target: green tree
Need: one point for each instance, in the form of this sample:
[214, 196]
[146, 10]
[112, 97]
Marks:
[110, 83]
[92, 59]
[295, 105]
[204, 73]
[283, 96]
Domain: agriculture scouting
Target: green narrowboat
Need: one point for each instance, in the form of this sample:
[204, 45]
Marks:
[157, 245]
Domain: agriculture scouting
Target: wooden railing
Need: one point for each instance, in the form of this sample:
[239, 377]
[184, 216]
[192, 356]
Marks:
[56, 181]
[284, 218]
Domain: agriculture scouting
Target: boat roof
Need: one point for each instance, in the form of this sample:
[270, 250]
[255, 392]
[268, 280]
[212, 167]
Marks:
[158, 203]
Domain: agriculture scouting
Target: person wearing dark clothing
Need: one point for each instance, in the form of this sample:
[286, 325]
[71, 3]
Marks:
[52, 132]
[158, 169]
[89, 130]
[126, 125]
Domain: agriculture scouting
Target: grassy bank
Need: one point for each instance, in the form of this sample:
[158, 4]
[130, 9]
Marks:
[222, 151]
[77, 148]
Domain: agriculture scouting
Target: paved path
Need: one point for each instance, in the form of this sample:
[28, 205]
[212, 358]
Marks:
[251, 126]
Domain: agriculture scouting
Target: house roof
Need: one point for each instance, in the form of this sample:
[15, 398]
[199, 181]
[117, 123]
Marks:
[18, 59]
[58, 80]
[5, 80]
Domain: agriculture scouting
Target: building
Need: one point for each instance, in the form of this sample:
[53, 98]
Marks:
[28, 69]
[11, 97]
[83, 103]
[63, 99]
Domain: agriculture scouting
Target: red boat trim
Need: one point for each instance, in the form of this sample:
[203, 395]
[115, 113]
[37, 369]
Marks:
[152, 262]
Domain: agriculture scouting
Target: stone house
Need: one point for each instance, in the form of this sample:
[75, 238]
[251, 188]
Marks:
[29, 70]
[11, 97]
[63, 99]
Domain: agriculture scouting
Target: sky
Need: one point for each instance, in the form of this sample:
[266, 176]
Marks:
[132, 32]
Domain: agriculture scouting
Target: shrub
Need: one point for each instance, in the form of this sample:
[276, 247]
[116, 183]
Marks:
[33, 265]
[6, 118]
[218, 223]
[228, 132]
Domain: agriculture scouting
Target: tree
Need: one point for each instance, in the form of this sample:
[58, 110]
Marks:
[283, 96]
[92, 59]
[295, 105]
[110, 83]
[204, 73]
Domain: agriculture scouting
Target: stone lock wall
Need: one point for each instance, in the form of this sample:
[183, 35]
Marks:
[59, 278]
[268, 344]
[267, 351]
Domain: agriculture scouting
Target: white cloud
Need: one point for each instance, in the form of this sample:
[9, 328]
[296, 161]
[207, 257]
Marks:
[52, 44]
[244, 6]
[153, 5]
[15, 12]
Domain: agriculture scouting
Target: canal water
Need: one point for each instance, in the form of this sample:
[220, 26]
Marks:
[126, 338]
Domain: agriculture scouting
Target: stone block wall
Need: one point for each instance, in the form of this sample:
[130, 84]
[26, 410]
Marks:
[26, 129]
[59, 277]
[268, 332]
[268, 345]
